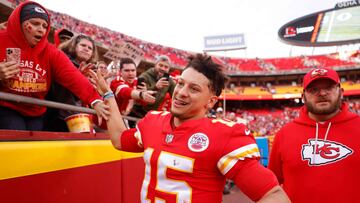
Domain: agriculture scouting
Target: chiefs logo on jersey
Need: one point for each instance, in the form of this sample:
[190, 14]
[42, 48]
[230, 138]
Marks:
[198, 142]
[324, 152]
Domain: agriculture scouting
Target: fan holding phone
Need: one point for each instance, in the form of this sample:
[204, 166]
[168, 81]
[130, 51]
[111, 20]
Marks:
[10, 67]
[157, 79]
[29, 65]
[128, 89]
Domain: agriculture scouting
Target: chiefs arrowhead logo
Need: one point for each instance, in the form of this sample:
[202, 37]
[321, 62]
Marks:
[324, 152]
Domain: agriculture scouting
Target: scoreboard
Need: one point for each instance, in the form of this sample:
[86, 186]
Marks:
[336, 26]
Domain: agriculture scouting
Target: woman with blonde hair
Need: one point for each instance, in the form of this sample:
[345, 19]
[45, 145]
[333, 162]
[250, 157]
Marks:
[81, 50]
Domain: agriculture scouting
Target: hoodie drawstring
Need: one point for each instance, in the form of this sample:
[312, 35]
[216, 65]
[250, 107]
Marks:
[317, 136]
[327, 131]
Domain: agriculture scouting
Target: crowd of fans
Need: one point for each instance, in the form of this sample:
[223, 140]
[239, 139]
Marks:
[178, 57]
[261, 122]
[265, 123]
[106, 37]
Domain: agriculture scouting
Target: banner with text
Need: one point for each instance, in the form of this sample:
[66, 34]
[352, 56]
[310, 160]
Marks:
[124, 50]
[224, 42]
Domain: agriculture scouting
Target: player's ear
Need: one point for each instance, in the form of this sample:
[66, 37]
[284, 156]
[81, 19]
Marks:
[212, 101]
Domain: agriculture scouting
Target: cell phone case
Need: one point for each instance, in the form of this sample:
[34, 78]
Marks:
[13, 54]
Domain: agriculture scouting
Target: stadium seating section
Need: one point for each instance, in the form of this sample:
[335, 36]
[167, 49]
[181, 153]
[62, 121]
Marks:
[263, 122]
[105, 37]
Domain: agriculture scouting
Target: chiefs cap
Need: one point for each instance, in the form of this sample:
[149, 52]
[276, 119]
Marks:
[319, 73]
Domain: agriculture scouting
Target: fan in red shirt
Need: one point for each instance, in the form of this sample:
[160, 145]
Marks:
[187, 155]
[33, 68]
[316, 156]
[127, 89]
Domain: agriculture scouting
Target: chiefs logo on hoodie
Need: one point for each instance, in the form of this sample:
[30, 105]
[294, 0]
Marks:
[320, 152]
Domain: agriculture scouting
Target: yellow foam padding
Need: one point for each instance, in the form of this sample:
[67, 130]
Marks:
[21, 158]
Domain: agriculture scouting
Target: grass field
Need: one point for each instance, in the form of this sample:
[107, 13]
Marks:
[340, 25]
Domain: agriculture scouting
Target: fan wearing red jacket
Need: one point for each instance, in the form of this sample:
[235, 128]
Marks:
[33, 65]
[316, 157]
[187, 155]
[127, 89]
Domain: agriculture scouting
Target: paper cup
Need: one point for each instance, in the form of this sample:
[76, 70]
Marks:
[79, 123]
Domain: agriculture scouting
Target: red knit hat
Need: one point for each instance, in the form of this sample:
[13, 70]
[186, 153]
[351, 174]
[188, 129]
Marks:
[320, 73]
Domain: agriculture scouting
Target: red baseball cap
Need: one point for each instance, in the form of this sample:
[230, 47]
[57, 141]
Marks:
[319, 73]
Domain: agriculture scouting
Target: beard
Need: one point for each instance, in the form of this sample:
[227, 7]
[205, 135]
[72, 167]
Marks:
[334, 106]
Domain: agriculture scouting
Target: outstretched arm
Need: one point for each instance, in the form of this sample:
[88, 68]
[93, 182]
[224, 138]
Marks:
[115, 123]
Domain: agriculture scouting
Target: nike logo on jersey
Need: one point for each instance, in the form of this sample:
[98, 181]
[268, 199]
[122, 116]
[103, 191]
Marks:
[324, 152]
[247, 132]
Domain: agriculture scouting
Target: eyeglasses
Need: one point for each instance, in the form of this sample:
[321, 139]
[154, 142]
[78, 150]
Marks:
[316, 90]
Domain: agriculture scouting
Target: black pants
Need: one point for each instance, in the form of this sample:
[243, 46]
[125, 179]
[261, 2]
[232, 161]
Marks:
[13, 120]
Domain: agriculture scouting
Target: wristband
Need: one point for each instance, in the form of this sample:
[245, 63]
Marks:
[108, 94]
[141, 95]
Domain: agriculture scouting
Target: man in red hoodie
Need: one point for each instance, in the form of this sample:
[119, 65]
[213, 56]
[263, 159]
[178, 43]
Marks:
[316, 157]
[34, 66]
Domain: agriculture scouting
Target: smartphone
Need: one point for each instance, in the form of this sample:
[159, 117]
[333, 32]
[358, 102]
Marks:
[140, 81]
[13, 54]
[166, 75]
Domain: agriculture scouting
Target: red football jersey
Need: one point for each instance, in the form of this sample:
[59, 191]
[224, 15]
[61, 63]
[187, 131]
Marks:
[122, 92]
[190, 163]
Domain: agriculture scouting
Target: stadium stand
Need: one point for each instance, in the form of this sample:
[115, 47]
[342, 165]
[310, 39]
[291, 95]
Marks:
[105, 37]
[263, 122]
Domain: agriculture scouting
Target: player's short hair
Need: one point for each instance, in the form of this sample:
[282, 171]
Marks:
[126, 61]
[212, 71]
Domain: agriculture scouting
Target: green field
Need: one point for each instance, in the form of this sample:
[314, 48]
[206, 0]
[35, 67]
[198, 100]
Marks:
[340, 25]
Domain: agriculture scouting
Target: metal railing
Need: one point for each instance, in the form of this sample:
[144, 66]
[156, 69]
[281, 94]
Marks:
[51, 104]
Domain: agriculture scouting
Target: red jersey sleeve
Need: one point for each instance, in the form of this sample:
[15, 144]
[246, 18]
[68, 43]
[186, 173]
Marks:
[240, 162]
[131, 139]
[240, 145]
[253, 179]
[121, 89]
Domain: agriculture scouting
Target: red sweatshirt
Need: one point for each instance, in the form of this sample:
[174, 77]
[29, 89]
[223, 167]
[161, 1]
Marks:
[319, 162]
[39, 65]
[122, 91]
